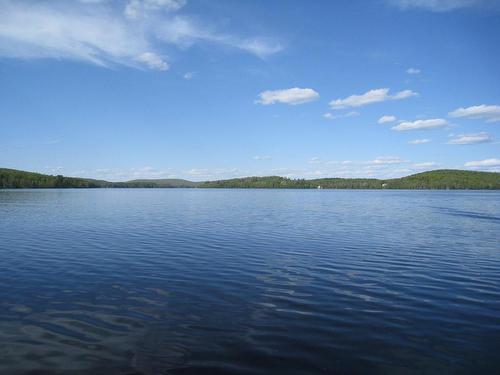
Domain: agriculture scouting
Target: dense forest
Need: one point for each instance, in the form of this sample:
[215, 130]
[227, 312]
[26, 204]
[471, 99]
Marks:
[159, 183]
[276, 182]
[14, 179]
[439, 179]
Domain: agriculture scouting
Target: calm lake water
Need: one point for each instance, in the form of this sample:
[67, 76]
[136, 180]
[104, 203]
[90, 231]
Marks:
[194, 281]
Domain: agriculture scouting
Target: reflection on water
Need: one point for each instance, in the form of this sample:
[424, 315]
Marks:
[201, 281]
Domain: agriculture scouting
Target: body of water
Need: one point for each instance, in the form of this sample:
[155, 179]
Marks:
[195, 281]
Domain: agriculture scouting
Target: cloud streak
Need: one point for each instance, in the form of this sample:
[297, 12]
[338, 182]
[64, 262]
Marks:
[386, 119]
[330, 116]
[184, 32]
[291, 96]
[484, 164]
[136, 9]
[84, 33]
[385, 160]
[435, 5]
[490, 113]
[421, 124]
[370, 97]
[471, 139]
[419, 141]
[103, 34]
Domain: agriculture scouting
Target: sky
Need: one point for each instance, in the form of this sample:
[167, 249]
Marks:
[203, 90]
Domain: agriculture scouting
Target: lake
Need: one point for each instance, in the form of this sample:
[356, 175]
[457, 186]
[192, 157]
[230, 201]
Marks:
[200, 281]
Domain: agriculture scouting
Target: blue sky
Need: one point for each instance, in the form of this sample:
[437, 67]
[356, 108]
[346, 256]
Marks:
[202, 89]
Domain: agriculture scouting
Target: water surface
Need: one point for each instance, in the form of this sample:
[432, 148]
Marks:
[195, 281]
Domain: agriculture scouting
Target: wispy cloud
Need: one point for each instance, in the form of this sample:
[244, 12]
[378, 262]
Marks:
[419, 141]
[383, 160]
[189, 75]
[436, 5]
[413, 71]
[262, 157]
[204, 174]
[69, 31]
[425, 165]
[117, 174]
[185, 31]
[151, 172]
[291, 96]
[370, 97]
[421, 124]
[153, 61]
[380, 167]
[133, 33]
[492, 163]
[331, 116]
[387, 118]
[490, 113]
[135, 9]
[470, 139]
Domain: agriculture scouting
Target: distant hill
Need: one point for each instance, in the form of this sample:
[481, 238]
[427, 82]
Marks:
[158, 183]
[14, 179]
[438, 179]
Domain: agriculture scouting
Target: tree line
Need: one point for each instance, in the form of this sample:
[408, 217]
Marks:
[439, 179]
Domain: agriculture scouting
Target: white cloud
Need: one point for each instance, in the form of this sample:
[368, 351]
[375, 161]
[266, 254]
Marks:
[291, 96]
[425, 165]
[470, 139]
[383, 160]
[381, 167]
[487, 163]
[85, 33]
[189, 75]
[262, 157]
[435, 5]
[185, 31]
[369, 97]
[330, 116]
[205, 174]
[150, 172]
[153, 61]
[135, 9]
[101, 33]
[258, 46]
[421, 124]
[110, 174]
[419, 141]
[413, 71]
[491, 113]
[352, 114]
[385, 119]
[314, 160]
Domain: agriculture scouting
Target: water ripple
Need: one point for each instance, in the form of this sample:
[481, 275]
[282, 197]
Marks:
[200, 281]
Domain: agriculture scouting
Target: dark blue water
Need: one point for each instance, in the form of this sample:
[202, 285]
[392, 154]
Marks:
[181, 281]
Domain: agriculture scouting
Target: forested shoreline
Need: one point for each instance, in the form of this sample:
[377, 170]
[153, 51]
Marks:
[438, 179]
